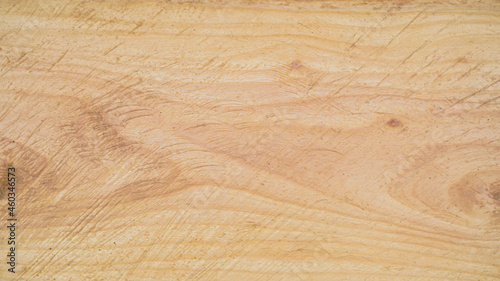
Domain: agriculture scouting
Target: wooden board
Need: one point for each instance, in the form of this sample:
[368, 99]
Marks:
[251, 140]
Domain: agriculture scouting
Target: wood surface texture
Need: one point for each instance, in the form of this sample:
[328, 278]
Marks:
[251, 139]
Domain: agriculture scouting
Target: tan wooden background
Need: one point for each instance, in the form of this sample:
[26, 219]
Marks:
[251, 139]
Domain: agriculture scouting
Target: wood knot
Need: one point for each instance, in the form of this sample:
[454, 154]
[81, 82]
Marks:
[296, 64]
[477, 197]
[394, 123]
[496, 196]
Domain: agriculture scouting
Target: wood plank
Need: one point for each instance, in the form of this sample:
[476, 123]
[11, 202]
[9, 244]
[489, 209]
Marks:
[251, 139]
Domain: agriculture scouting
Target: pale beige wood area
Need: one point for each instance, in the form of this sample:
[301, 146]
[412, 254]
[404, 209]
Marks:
[252, 140]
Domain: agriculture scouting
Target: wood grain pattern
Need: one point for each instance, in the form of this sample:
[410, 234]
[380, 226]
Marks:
[252, 139]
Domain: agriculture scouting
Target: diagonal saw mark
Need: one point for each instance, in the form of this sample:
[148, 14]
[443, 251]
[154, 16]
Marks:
[423, 45]
[473, 94]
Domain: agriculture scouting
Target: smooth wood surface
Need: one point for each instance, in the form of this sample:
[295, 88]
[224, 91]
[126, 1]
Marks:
[252, 140]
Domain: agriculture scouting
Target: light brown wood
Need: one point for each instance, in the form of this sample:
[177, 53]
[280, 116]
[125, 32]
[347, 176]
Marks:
[252, 140]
